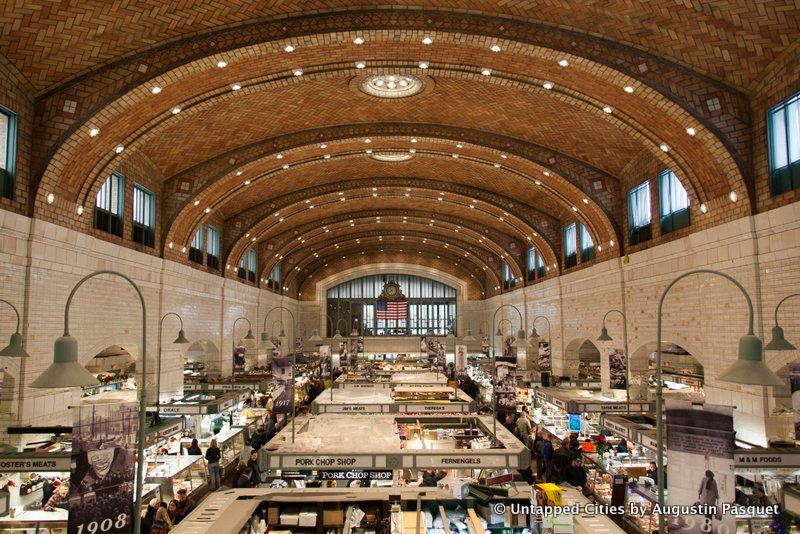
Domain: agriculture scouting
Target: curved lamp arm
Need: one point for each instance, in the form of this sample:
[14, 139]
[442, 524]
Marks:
[610, 311]
[533, 324]
[272, 329]
[15, 311]
[249, 325]
[280, 308]
[503, 321]
[778, 307]
[140, 432]
[167, 315]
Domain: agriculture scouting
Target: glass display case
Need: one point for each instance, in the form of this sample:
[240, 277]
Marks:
[172, 473]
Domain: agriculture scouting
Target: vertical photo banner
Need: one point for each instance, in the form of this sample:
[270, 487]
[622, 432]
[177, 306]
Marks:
[545, 361]
[700, 445]
[485, 345]
[325, 363]
[361, 345]
[342, 353]
[506, 383]
[433, 348]
[794, 382]
[283, 374]
[441, 360]
[509, 350]
[423, 346]
[239, 358]
[278, 350]
[461, 359]
[352, 350]
[298, 346]
[102, 475]
[618, 367]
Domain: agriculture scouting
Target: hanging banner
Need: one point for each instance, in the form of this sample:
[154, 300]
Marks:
[618, 367]
[506, 383]
[102, 476]
[283, 394]
[440, 356]
[461, 359]
[325, 362]
[545, 362]
[342, 353]
[433, 348]
[700, 459]
[423, 346]
[794, 382]
[239, 358]
[298, 346]
[352, 351]
[485, 345]
[361, 345]
[509, 350]
[276, 352]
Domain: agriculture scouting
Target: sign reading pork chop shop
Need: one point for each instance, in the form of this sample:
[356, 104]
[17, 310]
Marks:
[327, 462]
[355, 475]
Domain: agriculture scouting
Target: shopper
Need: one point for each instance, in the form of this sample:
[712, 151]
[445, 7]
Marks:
[547, 456]
[269, 425]
[429, 479]
[255, 471]
[194, 449]
[575, 450]
[315, 390]
[523, 424]
[575, 475]
[59, 499]
[245, 479]
[622, 446]
[162, 523]
[259, 438]
[537, 449]
[149, 516]
[213, 456]
[183, 501]
[652, 472]
[175, 512]
[562, 458]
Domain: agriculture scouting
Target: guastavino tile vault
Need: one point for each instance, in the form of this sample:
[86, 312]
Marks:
[427, 267]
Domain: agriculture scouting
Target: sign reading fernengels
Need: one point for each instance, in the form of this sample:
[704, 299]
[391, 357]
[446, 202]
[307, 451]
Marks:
[466, 462]
[34, 463]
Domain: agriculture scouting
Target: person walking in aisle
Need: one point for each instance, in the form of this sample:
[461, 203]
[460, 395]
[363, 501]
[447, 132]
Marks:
[194, 449]
[213, 456]
[562, 458]
[255, 471]
[245, 479]
[523, 425]
[537, 449]
[547, 456]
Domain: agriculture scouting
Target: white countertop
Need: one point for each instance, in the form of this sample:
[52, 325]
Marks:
[37, 516]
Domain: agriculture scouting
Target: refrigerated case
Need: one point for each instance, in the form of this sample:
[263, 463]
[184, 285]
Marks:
[172, 473]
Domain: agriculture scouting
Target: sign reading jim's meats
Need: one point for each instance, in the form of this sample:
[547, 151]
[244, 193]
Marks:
[102, 474]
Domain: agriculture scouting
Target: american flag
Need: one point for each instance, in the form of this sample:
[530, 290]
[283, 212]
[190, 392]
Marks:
[391, 310]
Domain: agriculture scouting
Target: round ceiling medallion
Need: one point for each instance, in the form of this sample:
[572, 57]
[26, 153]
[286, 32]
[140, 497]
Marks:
[391, 85]
[392, 157]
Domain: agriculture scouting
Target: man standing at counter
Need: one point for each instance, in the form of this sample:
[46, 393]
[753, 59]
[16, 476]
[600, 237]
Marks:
[59, 499]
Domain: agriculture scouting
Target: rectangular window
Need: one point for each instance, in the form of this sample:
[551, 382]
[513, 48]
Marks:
[539, 266]
[109, 206]
[570, 246]
[674, 202]
[144, 216]
[508, 277]
[587, 245]
[274, 281]
[639, 215]
[196, 248]
[8, 151]
[251, 265]
[531, 263]
[783, 128]
[212, 247]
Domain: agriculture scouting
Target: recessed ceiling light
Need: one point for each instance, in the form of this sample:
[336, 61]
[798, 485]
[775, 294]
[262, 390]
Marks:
[439, 198]
[503, 156]
[691, 131]
[119, 149]
[327, 156]
[183, 249]
[368, 151]
[628, 89]
[280, 220]
[546, 173]
[222, 64]
[196, 202]
[585, 200]
[427, 40]
[279, 156]
[253, 240]
[170, 244]
[297, 72]
[563, 63]
[285, 165]
[94, 132]
[486, 72]
[50, 198]
[733, 196]
[323, 145]
[608, 109]
[342, 199]
[664, 147]
[413, 150]
[495, 48]
[455, 155]
[423, 64]
[288, 48]
[374, 194]
[80, 210]
[459, 145]
[497, 165]
[408, 189]
[238, 173]
[236, 86]
[176, 110]
[413, 140]
[610, 243]
[208, 210]
[155, 89]
[703, 208]
[360, 65]
[358, 41]
[547, 85]
[367, 140]
[574, 208]
[247, 182]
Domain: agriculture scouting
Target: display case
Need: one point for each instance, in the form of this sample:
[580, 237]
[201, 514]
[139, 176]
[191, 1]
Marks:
[172, 473]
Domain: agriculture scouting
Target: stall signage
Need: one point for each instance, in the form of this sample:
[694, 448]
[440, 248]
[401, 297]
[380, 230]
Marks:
[541, 395]
[34, 463]
[616, 428]
[355, 475]
[558, 402]
[463, 462]
[649, 443]
[750, 459]
[327, 462]
[605, 407]
[180, 409]
[357, 385]
[355, 408]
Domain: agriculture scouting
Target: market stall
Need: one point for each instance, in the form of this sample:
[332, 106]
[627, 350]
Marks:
[23, 477]
[363, 379]
[403, 399]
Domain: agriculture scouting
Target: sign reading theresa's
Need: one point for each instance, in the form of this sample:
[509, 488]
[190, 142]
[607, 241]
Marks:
[327, 462]
[11, 464]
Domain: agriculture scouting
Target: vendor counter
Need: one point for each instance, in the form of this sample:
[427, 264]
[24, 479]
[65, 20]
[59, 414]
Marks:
[390, 380]
[401, 399]
[333, 441]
